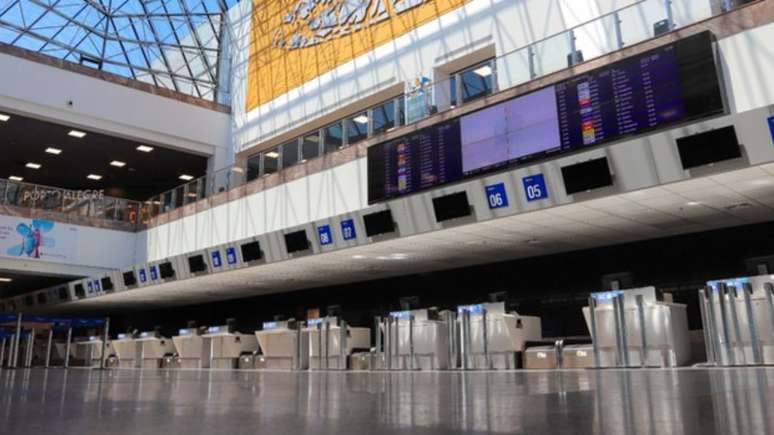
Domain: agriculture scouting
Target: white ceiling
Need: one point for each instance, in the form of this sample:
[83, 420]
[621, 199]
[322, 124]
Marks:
[729, 199]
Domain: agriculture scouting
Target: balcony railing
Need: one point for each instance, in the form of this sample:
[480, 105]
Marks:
[81, 205]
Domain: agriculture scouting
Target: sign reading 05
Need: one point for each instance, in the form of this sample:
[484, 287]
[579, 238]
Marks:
[294, 41]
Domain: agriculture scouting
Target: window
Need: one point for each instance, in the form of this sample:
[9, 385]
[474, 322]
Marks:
[166, 201]
[290, 153]
[476, 81]
[333, 137]
[383, 117]
[310, 147]
[271, 161]
[192, 192]
[357, 128]
[253, 167]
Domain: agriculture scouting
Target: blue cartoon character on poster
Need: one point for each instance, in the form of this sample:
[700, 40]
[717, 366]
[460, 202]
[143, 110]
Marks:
[33, 239]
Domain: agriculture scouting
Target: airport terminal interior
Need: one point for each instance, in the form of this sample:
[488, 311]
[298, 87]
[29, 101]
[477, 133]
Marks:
[386, 216]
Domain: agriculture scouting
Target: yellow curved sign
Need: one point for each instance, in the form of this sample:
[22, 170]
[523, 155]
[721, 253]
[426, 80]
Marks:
[294, 41]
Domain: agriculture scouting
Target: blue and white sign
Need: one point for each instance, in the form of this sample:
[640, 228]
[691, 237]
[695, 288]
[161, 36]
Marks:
[216, 261]
[496, 196]
[348, 229]
[143, 275]
[154, 273]
[324, 234]
[771, 127]
[535, 187]
[231, 255]
[472, 309]
[89, 287]
[403, 315]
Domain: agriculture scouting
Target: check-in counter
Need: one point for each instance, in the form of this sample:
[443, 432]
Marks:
[414, 340]
[331, 342]
[226, 347]
[153, 348]
[491, 338]
[127, 351]
[193, 349]
[738, 319]
[87, 351]
[283, 346]
[632, 328]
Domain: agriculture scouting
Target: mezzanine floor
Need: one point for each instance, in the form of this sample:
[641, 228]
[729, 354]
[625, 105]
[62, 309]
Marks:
[685, 401]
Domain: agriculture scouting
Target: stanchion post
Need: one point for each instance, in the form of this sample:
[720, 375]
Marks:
[643, 331]
[593, 321]
[411, 341]
[485, 336]
[105, 338]
[49, 344]
[755, 342]
[16, 339]
[709, 343]
[67, 346]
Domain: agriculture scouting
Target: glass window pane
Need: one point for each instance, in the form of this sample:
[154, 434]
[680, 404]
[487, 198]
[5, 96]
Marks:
[384, 117]
[271, 161]
[179, 194]
[166, 201]
[192, 193]
[253, 167]
[333, 137]
[290, 154]
[453, 90]
[310, 148]
[357, 128]
[477, 81]
[402, 110]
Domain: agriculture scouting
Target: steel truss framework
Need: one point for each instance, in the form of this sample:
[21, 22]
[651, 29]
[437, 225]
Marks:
[174, 44]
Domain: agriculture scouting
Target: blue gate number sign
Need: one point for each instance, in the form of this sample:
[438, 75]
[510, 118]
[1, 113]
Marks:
[535, 187]
[143, 276]
[771, 127]
[348, 229]
[216, 262]
[496, 196]
[231, 255]
[154, 273]
[324, 234]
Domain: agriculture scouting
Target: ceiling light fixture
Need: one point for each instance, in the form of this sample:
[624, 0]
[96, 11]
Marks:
[3, 279]
[94, 177]
[77, 133]
[272, 154]
[483, 71]
[15, 178]
[144, 148]
[361, 119]
[186, 177]
[118, 163]
[32, 165]
[4, 117]
[54, 151]
[693, 203]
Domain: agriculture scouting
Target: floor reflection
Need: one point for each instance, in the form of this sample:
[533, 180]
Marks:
[687, 401]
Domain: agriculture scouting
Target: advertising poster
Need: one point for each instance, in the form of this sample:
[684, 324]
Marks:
[37, 239]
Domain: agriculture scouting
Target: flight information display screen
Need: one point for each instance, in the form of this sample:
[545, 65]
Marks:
[424, 159]
[664, 86]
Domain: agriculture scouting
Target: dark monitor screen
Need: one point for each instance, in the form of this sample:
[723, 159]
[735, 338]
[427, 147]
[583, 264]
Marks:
[379, 223]
[29, 301]
[62, 294]
[586, 176]
[296, 241]
[130, 278]
[166, 270]
[107, 283]
[251, 251]
[196, 264]
[709, 147]
[451, 206]
[80, 293]
[42, 298]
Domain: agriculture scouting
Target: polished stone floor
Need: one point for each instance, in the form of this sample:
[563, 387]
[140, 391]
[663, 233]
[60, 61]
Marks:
[688, 401]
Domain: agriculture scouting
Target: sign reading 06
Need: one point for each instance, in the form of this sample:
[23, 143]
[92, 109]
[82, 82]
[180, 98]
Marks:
[294, 41]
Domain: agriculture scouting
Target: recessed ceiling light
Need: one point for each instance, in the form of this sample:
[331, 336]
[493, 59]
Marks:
[15, 178]
[361, 119]
[186, 177]
[144, 148]
[117, 163]
[358, 257]
[94, 177]
[3, 279]
[76, 133]
[54, 151]
[4, 117]
[483, 71]
[33, 165]
[272, 154]
[693, 203]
